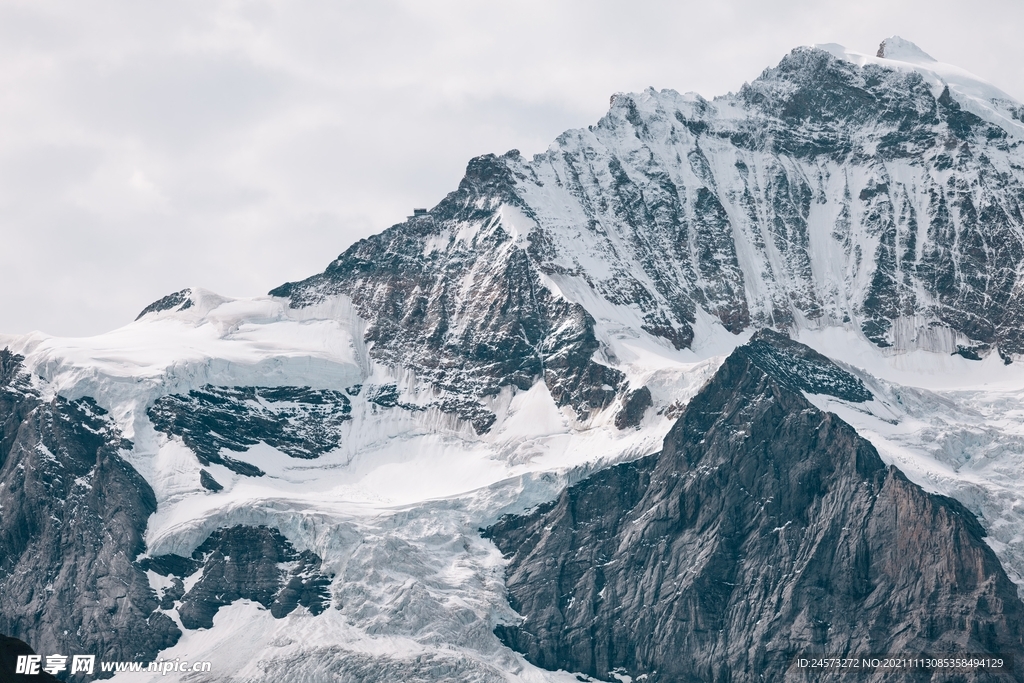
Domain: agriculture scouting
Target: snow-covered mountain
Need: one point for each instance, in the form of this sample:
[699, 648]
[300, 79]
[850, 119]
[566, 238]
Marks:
[312, 468]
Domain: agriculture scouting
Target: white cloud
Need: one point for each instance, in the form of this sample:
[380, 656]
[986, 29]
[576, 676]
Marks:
[145, 147]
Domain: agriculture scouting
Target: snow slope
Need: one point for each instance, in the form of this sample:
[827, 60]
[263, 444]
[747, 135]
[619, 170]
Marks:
[395, 510]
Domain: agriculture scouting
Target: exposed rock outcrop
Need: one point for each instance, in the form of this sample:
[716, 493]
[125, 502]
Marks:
[178, 301]
[634, 404]
[72, 517]
[243, 563]
[456, 297]
[299, 421]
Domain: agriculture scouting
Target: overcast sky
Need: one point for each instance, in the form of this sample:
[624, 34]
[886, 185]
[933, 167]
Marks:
[150, 146]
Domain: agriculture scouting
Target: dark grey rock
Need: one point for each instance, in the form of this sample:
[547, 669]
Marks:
[634, 405]
[10, 650]
[469, 308]
[385, 396]
[765, 529]
[243, 563]
[207, 481]
[175, 568]
[305, 585]
[299, 421]
[73, 514]
[511, 332]
[971, 352]
[179, 300]
[72, 517]
[801, 368]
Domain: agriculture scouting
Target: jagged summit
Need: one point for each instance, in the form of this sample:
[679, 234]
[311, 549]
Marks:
[826, 193]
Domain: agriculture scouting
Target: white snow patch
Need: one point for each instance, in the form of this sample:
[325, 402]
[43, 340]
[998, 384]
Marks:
[973, 93]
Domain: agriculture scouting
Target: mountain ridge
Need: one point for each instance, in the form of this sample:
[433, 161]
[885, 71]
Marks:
[824, 193]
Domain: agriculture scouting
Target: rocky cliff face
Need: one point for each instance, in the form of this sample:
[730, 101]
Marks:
[298, 421]
[72, 518]
[73, 513]
[764, 530]
[455, 297]
[241, 563]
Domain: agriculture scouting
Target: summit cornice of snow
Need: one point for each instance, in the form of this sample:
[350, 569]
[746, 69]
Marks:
[973, 93]
[903, 50]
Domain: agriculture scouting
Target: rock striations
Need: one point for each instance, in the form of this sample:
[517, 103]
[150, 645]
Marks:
[764, 530]
[455, 296]
[823, 193]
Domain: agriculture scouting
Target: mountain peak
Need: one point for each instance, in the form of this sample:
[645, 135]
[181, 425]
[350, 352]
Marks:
[763, 527]
[902, 50]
